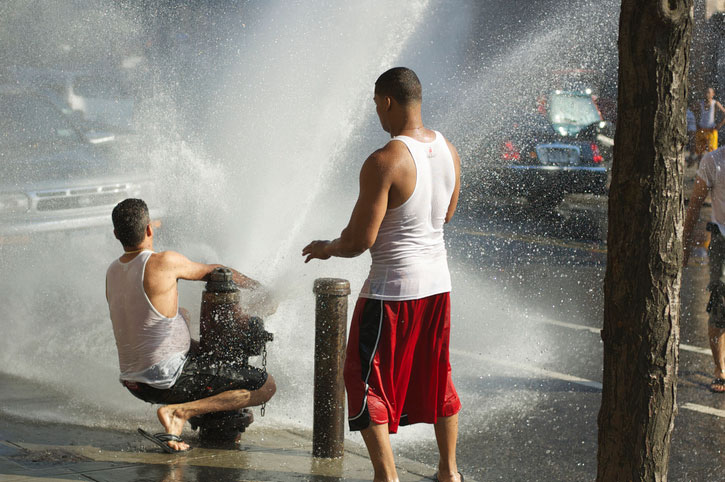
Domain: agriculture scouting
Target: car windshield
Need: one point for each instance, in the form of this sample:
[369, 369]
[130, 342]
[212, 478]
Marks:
[99, 87]
[571, 109]
[26, 120]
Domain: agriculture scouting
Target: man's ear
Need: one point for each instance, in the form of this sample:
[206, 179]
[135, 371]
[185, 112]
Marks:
[149, 230]
[114, 234]
[388, 102]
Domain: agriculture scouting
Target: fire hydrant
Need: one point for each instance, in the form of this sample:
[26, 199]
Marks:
[230, 336]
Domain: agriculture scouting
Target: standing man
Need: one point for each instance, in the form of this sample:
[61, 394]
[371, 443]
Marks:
[158, 360]
[711, 179]
[397, 370]
[706, 134]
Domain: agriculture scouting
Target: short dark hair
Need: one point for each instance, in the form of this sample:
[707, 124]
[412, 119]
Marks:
[401, 84]
[130, 218]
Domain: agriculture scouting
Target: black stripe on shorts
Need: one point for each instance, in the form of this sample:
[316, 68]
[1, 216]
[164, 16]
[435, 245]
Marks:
[371, 324]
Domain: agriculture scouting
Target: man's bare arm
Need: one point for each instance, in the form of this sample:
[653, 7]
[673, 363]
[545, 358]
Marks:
[456, 191]
[367, 215]
[699, 193]
[243, 281]
[181, 267]
[719, 106]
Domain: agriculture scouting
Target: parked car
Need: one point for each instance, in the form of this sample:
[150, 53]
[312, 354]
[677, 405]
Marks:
[558, 147]
[54, 176]
[102, 99]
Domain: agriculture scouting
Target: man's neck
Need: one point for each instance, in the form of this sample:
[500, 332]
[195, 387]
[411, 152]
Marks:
[407, 122]
[414, 129]
[131, 252]
[411, 126]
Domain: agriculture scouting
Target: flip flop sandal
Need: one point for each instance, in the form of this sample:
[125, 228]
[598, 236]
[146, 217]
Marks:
[160, 439]
[718, 385]
[435, 476]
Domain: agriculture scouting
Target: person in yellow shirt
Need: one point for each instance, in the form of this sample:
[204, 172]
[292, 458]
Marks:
[706, 134]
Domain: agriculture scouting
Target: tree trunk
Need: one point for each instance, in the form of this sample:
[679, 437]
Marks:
[644, 244]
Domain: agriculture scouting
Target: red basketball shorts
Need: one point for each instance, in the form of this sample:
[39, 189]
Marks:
[397, 369]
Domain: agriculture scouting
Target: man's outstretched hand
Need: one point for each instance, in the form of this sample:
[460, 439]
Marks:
[316, 250]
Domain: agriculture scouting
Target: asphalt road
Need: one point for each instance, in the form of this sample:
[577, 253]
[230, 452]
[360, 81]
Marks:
[527, 356]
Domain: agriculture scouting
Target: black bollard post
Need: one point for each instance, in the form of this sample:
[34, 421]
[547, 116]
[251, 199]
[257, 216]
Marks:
[328, 427]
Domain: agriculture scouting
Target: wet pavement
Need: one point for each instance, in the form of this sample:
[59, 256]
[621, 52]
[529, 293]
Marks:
[526, 356]
[46, 451]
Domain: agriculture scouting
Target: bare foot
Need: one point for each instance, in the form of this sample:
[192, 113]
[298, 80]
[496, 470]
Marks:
[452, 477]
[718, 385]
[173, 422]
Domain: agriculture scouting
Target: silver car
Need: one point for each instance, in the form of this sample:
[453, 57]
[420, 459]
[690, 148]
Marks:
[54, 177]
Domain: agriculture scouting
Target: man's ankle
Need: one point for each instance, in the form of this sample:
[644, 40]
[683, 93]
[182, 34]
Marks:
[447, 471]
[447, 474]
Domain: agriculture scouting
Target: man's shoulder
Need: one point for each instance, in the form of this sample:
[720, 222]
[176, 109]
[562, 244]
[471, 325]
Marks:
[395, 148]
[112, 265]
[163, 259]
[388, 156]
[717, 156]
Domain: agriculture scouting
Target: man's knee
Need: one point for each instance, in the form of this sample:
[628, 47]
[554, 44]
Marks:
[715, 333]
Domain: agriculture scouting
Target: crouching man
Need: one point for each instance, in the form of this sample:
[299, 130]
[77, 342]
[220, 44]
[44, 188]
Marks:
[159, 361]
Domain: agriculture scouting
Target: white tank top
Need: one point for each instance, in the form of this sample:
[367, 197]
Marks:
[712, 171]
[151, 347]
[707, 116]
[409, 254]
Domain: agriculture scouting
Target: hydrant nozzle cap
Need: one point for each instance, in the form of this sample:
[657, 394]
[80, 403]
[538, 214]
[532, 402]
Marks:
[331, 286]
[220, 281]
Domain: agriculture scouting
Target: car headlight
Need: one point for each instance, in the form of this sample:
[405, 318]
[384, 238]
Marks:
[14, 203]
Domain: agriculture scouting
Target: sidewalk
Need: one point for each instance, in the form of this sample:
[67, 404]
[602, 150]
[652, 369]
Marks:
[53, 452]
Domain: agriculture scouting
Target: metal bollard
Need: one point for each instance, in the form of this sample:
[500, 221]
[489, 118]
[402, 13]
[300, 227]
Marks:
[328, 427]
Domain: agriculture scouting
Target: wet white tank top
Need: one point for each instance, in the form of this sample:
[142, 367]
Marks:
[707, 116]
[409, 253]
[151, 347]
[712, 171]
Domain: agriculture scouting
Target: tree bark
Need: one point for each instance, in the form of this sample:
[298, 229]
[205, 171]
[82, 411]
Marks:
[644, 243]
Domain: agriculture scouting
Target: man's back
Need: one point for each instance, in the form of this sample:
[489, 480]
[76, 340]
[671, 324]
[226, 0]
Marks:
[403, 171]
[160, 282]
[151, 346]
[712, 171]
[409, 255]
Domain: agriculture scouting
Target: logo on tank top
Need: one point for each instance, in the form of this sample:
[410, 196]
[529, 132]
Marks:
[430, 151]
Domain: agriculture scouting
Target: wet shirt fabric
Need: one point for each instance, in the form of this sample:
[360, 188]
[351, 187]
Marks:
[712, 171]
[152, 348]
[409, 253]
[707, 116]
